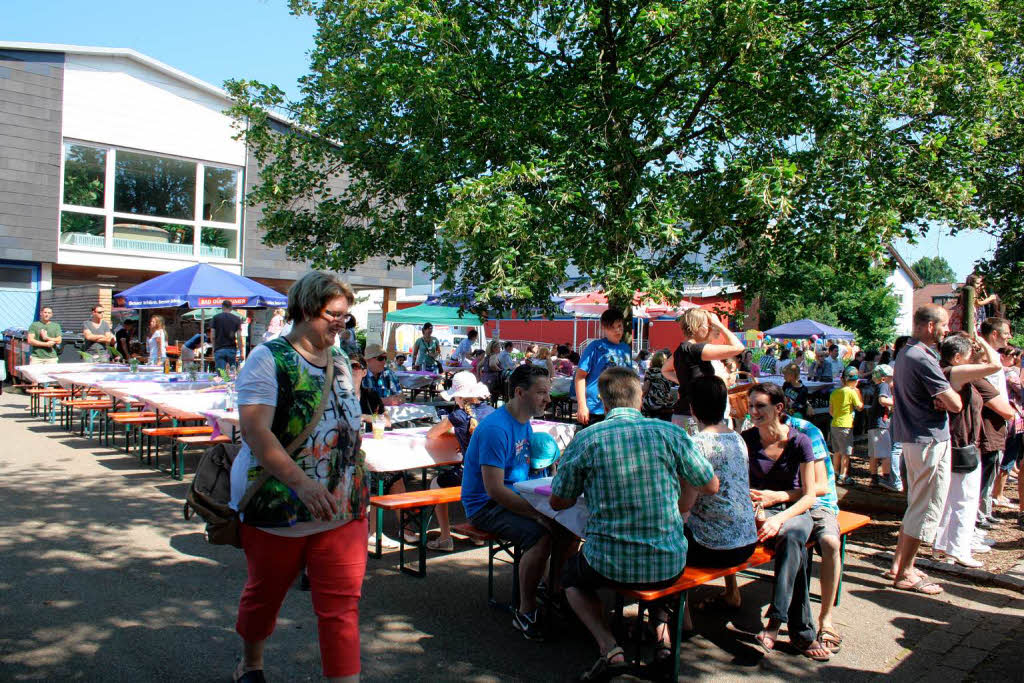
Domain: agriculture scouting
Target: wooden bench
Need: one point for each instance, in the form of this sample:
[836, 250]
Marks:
[86, 405]
[416, 507]
[38, 395]
[693, 577]
[132, 419]
[185, 441]
[495, 547]
[154, 434]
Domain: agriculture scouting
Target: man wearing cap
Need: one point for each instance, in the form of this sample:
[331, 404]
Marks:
[631, 470]
[841, 405]
[380, 378]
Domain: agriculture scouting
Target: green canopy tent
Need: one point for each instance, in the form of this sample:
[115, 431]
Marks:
[435, 315]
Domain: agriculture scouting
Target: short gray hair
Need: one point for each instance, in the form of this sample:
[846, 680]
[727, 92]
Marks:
[619, 387]
[309, 294]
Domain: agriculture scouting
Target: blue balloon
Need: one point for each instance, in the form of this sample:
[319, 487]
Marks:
[543, 450]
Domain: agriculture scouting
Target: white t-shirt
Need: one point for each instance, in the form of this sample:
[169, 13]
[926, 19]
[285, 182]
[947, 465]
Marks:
[998, 380]
[157, 347]
[257, 385]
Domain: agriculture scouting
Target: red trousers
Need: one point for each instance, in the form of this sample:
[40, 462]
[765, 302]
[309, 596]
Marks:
[335, 561]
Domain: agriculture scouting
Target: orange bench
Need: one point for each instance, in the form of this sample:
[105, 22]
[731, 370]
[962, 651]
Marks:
[183, 442]
[69, 405]
[38, 394]
[414, 507]
[693, 577]
[155, 433]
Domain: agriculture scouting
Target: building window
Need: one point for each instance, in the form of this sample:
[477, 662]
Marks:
[141, 203]
[148, 185]
[85, 171]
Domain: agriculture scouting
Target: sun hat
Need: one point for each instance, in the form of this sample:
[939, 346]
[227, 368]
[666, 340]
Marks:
[466, 385]
[850, 373]
[374, 350]
[882, 371]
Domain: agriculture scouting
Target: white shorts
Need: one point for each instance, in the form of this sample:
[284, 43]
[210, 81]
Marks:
[927, 486]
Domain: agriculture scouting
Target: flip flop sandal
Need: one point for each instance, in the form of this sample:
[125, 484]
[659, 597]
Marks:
[831, 640]
[923, 586]
[605, 669]
[763, 646]
[806, 650]
[888, 573]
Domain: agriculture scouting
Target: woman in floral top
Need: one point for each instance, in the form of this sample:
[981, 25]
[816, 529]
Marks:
[720, 531]
[311, 511]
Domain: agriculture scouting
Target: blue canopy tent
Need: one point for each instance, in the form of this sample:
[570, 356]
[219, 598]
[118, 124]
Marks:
[806, 328]
[199, 286]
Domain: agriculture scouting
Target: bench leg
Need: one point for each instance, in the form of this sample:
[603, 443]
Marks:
[677, 633]
[842, 567]
[422, 516]
[378, 550]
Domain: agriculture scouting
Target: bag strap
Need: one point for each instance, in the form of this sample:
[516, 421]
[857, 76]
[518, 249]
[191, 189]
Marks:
[296, 444]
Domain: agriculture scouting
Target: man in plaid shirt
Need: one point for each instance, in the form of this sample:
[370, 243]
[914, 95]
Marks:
[631, 469]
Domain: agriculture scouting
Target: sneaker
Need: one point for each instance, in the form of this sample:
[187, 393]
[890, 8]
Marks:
[980, 548]
[1002, 503]
[983, 523]
[982, 540]
[967, 562]
[528, 625]
[889, 486]
[846, 481]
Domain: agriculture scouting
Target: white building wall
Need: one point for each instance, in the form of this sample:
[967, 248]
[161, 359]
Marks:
[903, 289]
[118, 101]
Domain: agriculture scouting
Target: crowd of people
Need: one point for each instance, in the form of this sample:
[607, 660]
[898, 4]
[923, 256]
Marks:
[670, 476]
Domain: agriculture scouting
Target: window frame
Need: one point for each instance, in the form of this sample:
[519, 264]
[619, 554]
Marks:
[197, 222]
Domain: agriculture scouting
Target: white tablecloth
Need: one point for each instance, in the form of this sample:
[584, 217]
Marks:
[227, 420]
[184, 403]
[574, 519]
[44, 374]
[94, 379]
[128, 390]
[417, 380]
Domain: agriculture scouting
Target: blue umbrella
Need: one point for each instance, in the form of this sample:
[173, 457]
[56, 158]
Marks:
[198, 286]
[802, 329]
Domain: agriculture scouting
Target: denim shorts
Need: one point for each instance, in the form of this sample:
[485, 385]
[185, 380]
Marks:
[507, 525]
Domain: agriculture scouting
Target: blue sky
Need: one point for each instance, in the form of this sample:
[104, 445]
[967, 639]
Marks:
[258, 39]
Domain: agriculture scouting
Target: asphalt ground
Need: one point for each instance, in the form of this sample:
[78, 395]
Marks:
[101, 579]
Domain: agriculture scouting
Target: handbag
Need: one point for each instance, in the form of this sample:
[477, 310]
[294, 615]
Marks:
[210, 493]
[965, 458]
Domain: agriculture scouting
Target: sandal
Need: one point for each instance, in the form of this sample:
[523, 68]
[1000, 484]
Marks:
[410, 537]
[716, 603]
[830, 640]
[889, 574]
[923, 586]
[765, 643]
[814, 646]
[445, 546]
[605, 669]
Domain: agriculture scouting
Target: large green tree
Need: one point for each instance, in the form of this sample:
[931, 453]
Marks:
[934, 270]
[638, 143]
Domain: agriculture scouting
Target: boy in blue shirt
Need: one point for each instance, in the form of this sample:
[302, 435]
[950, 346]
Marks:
[499, 456]
[599, 355]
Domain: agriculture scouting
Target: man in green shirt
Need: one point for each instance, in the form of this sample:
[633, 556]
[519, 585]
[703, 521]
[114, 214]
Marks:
[44, 337]
[631, 470]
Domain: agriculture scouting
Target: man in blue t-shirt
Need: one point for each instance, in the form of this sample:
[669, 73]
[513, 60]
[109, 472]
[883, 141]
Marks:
[599, 355]
[499, 456]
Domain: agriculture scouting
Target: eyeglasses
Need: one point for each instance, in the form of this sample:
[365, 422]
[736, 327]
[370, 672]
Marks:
[357, 366]
[332, 315]
[381, 358]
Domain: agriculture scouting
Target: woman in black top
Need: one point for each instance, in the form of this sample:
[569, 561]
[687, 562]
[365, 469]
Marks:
[694, 356]
[782, 479]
